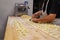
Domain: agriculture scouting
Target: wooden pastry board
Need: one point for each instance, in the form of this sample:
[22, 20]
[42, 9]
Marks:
[20, 28]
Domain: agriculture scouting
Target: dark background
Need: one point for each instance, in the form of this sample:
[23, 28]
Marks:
[37, 4]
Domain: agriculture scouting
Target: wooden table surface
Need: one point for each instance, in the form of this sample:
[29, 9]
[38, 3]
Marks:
[20, 28]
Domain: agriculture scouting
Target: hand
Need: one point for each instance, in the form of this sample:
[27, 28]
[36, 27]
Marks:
[35, 20]
[35, 15]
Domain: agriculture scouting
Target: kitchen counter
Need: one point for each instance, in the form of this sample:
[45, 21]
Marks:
[56, 22]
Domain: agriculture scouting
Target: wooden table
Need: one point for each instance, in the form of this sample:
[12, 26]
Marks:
[20, 28]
